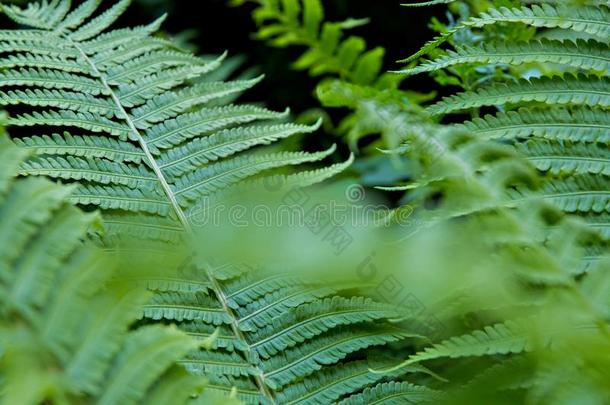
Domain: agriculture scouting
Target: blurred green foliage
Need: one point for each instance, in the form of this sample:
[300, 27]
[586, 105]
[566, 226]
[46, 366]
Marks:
[485, 281]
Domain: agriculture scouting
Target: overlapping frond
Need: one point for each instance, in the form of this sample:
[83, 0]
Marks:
[64, 330]
[551, 100]
[392, 393]
[144, 130]
[559, 122]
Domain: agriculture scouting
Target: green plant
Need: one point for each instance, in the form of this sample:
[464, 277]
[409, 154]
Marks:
[517, 352]
[558, 120]
[348, 70]
[64, 325]
[515, 283]
[154, 144]
[473, 188]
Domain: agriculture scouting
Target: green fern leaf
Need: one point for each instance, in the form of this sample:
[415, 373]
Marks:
[577, 125]
[392, 393]
[148, 352]
[503, 338]
[313, 319]
[186, 306]
[83, 146]
[330, 385]
[329, 349]
[560, 158]
[150, 132]
[591, 91]
[64, 326]
[578, 194]
[576, 55]
[590, 20]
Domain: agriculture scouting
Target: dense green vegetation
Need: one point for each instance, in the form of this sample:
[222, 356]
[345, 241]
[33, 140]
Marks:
[463, 259]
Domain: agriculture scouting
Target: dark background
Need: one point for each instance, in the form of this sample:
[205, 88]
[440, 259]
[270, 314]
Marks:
[216, 27]
[220, 27]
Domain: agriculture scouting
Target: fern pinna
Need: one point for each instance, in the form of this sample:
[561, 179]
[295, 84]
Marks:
[559, 117]
[133, 122]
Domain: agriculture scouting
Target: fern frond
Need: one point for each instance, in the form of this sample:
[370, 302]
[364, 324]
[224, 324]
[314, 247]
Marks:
[307, 177]
[218, 176]
[149, 227]
[132, 95]
[83, 146]
[122, 36]
[156, 133]
[225, 386]
[81, 120]
[51, 79]
[144, 91]
[313, 319]
[601, 223]
[59, 99]
[64, 326]
[121, 198]
[223, 336]
[587, 19]
[30, 61]
[508, 337]
[218, 362]
[174, 386]
[305, 334]
[222, 144]
[301, 23]
[169, 105]
[167, 134]
[576, 125]
[100, 23]
[576, 55]
[567, 158]
[99, 344]
[245, 287]
[392, 393]
[298, 362]
[577, 194]
[567, 136]
[330, 385]
[77, 16]
[260, 313]
[186, 306]
[148, 352]
[591, 91]
[92, 169]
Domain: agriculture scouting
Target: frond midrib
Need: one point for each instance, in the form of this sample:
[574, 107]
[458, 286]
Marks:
[175, 206]
[149, 157]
